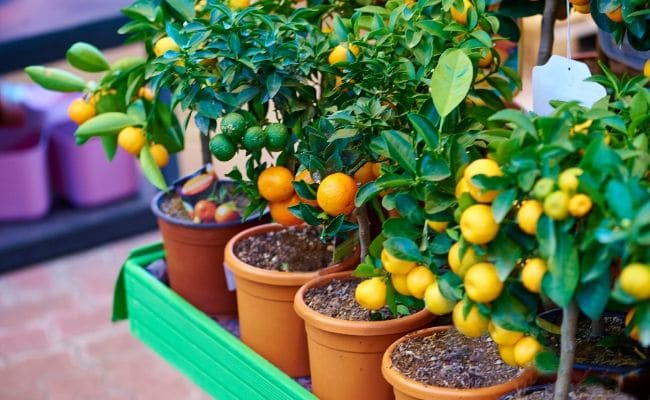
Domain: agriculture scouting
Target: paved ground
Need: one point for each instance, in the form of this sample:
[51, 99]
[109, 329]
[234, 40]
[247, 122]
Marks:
[57, 341]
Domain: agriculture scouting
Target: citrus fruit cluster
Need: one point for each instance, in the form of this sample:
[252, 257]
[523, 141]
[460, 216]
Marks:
[239, 132]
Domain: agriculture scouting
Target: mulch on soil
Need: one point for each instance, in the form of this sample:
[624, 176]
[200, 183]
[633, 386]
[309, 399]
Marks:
[581, 392]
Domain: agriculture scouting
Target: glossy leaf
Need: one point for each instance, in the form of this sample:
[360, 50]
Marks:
[451, 80]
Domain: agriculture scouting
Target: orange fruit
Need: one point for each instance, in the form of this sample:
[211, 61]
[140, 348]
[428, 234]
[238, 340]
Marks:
[582, 9]
[579, 2]
[376, 169]
[282, 215]
[580, 205]
[460, 16]
[81, 111]
[132, 139]
[145, 93]
[365, 174]
[159, 154]
[336, 194]
[305, 176]
[616, 15]
[486, 60]
[274, 184]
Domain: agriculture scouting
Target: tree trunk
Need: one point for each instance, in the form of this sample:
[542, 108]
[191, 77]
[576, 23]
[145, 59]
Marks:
[597, 328]
[567, 351]
[206, 156]
[364, 230]
[547, 31]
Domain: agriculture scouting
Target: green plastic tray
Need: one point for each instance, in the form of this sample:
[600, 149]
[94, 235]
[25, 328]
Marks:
[189, 340]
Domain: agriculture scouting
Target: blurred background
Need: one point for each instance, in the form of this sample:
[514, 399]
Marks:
[68, 217]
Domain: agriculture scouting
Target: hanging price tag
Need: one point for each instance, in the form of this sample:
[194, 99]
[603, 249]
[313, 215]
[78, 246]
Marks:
[563, 79]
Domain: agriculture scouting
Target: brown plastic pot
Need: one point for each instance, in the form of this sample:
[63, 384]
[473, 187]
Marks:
[345, 356]
[408, 389]
[194, 254]
[267, 322]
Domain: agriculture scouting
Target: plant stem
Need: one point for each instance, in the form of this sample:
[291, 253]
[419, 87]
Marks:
[206, 156]
[597, 328]
[547, 32]
[364, 230]
[567, 351]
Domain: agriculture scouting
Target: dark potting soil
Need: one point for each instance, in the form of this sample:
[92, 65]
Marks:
[172, 205]
[293, 249]
[450, 359]
[581, 392]
[613, 349]
[336, 300]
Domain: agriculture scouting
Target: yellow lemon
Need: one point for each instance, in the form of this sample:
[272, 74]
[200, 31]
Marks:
[635, 280]
[507, 354]
[533, 273]
[438, 226]
[371, 294]
[474, 325]
[163, 45]
[482, 283]
[556, 205]
[525, 350]
[394, 265]
[340, 53]
[568, 180]
[460, 15]
[503, 336]
[646, 68]
[435, 302]
[418, 279]
[483, 166]
[458, 266]
[477, 224]
[580, 205]
[399, 283]
[528, 215]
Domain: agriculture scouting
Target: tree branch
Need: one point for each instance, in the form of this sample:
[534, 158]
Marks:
[567, 351]
[364, 230]
[547, 31]
[206, 156]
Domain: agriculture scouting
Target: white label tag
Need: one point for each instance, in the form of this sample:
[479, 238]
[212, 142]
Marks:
[563, 79]
[230, 278]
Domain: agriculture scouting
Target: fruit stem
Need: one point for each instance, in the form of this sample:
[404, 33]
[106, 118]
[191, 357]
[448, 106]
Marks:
[206, 156]
[547, 32]
[364, 230]
[567, 351]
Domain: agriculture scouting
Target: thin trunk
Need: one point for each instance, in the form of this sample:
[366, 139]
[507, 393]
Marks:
[364, 230]
[597, 328]
[567, 351]
[206, 156]
[547, 31]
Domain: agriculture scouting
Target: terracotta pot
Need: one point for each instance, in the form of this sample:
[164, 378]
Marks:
[408, 389]
[194, 254]
[345, 356]
[267, 322]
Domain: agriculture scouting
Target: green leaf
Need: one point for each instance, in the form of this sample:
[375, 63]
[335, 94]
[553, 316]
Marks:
[561, 281]
[619, 199]
[434, 168]
[184, 7]
[109, 123]
[510, 313]
[546, 362]
[403, 248]
[56, 79]
[151, 170]
[425, 129]
[86, 57]
[503, 203]
[400, 149]
[366, 271]
[506, 254]
[110, 146]
[400, 227]
[517, 118]
[592, 296]
[450, 286]
[366, 192]
[451, 81]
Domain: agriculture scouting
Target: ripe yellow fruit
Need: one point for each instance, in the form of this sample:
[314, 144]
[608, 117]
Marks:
[616, 15]
[335, 194]
[274, 184]
[477, 224]
[533, 273]
[399, 283]
[568, 180]
[461, 187]
[482, 283]
[635, 281]
[525, 350]
[418, 279]
[503, 336]
[371, 294]
[163, 45]
[582, 9]
[81, 111]
[340, 53]
[634, 333]
[556, 205]
[394, 265]
[474, 325]
[438, 226]
[132, 139]
[507, 354]
[486, 60]
[483, 166]
[460, 16]
[364, 174]
[458, 266]
[580, 205]
[528, 215]
[159, 154]
[646, 68]
[238, 4]
[435, 302]
[145, 93]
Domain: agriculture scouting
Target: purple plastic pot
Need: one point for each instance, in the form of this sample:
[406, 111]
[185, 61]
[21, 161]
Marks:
[83, 175]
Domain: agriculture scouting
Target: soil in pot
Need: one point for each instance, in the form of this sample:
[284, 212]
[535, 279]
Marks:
[293, 249]
[449, 359]
[579, 392]
[172, 205]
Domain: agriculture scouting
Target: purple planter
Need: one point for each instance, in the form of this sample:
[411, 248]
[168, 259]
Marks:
[24, 178]
[83, 174]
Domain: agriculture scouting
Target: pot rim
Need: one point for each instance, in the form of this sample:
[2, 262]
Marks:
[421, 390]
[275, 278]
[353, 328]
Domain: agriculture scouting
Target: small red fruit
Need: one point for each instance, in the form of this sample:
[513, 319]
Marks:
[204, 210]
[226, 212]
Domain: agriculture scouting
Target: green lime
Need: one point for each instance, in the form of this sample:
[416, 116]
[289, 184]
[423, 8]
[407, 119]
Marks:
[222, 148]
[254, 138]
[233, 125]
[543, 188]
[277, 136]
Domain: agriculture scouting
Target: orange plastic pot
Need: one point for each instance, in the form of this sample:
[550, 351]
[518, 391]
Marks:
[194, 254]
[345, 356]
[267, 322]
[408, 389]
